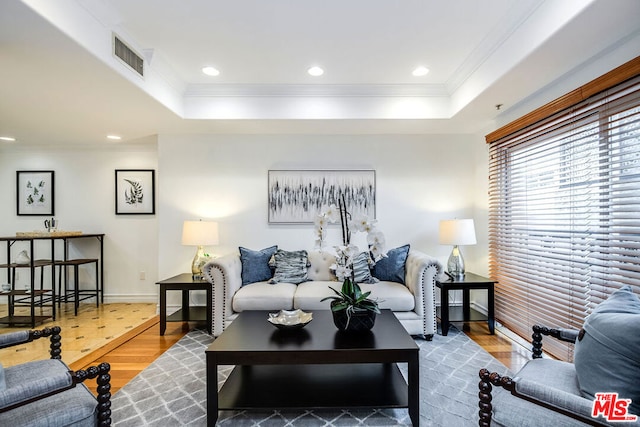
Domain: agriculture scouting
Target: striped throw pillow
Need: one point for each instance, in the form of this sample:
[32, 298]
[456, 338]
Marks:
[361, 271]
[291, 266]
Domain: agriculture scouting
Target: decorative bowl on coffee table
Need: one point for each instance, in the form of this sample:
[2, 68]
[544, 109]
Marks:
[290, 319]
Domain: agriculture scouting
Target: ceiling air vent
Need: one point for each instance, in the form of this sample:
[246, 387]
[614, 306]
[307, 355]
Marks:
[128, 56]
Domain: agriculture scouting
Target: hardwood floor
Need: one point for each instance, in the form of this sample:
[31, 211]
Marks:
[94, 328]
[132, 352]
[131, 357]
[510, 353]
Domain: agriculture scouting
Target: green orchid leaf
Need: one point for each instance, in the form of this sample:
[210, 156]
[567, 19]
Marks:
[340, 306]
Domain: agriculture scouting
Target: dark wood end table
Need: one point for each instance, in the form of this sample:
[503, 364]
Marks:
[185, 283]
[312, 368]
[468, 282]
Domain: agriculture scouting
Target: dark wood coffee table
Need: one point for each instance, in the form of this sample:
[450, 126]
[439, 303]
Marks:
[315, 367]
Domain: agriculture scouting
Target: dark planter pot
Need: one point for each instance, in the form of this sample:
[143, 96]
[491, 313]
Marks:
[359, 320]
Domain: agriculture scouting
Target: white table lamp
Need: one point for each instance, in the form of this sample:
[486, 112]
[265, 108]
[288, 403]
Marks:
[200, 234]
[457, 232]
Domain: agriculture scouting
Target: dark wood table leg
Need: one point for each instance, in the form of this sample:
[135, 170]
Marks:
[97, 286]
[101, 275]
[32, 271]
[76, 289]
[13, 288]
[53, 278]
[163, 309]
[414, 389]
[444, 311]
[185, 304]
[212, 390]
[466, 305]
[491, 308]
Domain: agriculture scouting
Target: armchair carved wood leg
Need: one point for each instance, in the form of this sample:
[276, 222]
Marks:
[485, 385]
[485, 399]
[104, 389]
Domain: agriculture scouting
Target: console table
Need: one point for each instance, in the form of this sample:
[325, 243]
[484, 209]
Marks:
[468, 282]
[33, 294]
[185, 283]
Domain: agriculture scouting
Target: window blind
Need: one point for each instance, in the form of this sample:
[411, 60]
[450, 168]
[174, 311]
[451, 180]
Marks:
[564, 213]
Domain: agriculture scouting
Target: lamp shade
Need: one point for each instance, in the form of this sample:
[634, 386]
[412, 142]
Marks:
[457, 232]
[199, 233]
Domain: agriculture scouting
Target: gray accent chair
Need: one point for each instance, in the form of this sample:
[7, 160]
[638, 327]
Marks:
[47, 393]
[544, 392]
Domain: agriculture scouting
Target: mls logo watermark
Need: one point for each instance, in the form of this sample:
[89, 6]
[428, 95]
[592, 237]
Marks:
[612, 408]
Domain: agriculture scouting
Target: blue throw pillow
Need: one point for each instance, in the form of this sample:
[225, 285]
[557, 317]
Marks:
[607, 352]
[255, 264]
[391, 268]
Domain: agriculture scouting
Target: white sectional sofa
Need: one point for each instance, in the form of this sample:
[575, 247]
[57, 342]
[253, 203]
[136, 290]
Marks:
[413, 302]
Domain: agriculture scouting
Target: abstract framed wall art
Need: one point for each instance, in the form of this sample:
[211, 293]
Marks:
[35, 193]
[297, 196]
[135, 192]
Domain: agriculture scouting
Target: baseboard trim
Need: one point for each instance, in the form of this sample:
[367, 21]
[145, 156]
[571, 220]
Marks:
[86, 360]
[122, 298]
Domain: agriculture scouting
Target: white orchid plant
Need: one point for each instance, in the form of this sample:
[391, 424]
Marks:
[350, 296]
[348, 251]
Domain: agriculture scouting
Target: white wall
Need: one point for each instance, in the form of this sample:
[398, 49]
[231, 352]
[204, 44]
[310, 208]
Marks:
[420, 180]
[85, 201]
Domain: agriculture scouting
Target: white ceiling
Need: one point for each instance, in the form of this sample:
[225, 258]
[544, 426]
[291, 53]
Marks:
[60, 82]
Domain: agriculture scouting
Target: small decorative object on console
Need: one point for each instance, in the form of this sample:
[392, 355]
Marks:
[290, 319]
[23, 258]
[51, 224]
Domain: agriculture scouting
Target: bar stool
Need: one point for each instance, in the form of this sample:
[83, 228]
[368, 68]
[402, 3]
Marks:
[78, 294]
[36, 297]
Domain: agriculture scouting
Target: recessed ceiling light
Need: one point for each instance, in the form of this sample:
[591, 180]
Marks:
[420, 71]
[7, 138]
[315, 71]
[210, 71]
[114, 137]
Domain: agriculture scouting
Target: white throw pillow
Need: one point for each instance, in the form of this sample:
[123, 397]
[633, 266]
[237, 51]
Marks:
[320, 262]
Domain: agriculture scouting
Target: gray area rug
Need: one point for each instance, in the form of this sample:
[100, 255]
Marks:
[172, 390]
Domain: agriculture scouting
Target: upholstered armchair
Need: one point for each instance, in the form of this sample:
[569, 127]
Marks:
[47, 393]
[548, 392]
[549, 384]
